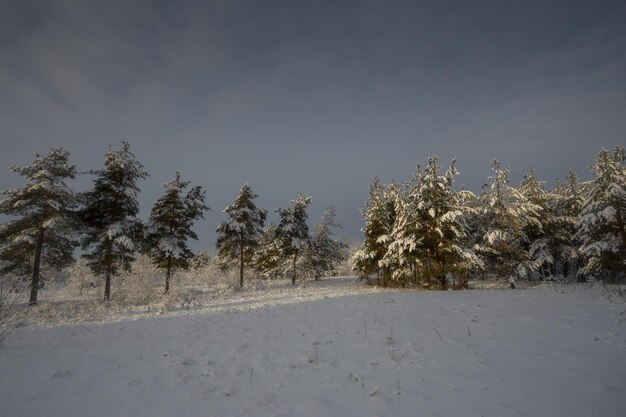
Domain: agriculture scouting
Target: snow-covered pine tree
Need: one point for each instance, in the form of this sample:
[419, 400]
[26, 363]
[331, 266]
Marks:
[109, 214]
[429, 234]
[602, 224]
[293, 232]
[325, 252]
[238, 237]
[400, 258]
[379, 215]
[267, 258]
[170, 226]
[472, 264]
[543, 237]
[41, 234]
[568, 205]
[506, 212]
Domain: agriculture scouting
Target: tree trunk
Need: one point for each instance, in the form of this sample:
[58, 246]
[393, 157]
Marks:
[168, 274]
[109, 267]
[295, 261]
[241, 259]
[34, 287]
[443, 280]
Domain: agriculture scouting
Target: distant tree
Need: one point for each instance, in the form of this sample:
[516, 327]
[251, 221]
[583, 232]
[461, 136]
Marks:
[602, 225]
[325, 252]
[109, 215]
[170, 226]
[41, 235]
[293, 232]
[379, 215]
[239, 236]
[267, 258]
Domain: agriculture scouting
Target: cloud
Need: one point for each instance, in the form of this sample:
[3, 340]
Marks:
[313, 97]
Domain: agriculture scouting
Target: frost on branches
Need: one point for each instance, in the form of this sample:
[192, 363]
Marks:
[110, 209]
[170, 226]
[40, 233]
[238, 237]
[602, 223]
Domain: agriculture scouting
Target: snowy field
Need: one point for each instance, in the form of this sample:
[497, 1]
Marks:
[332, 348]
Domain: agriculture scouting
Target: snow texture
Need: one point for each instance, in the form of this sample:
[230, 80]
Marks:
[328, 349]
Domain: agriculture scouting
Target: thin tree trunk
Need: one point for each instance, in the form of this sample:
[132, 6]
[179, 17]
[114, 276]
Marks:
[35, 282]
[443, 279]
[295, 261]
[107, 275]
[241, 259]
[168, 274]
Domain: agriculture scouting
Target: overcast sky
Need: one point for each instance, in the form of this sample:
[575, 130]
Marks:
[311, 96]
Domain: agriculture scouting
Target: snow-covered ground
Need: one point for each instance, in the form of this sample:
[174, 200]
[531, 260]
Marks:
[332, 348]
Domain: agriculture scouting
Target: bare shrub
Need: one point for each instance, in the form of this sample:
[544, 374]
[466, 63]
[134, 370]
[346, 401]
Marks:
[142, 285]
[10, 312]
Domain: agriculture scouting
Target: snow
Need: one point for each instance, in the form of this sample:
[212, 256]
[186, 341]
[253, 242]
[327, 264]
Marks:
[332, 348]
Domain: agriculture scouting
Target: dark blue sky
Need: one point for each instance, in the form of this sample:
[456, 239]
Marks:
[312, 96]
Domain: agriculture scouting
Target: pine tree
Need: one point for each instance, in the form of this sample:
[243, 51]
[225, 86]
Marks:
[602, 225]
[325, 251]
[379, 215]
[400, 258]
[170, 223]
[568, 206]
[506, 212]
[429, 234]
[267, 258]
[109, 215]
[42, 232]
[543, 237]
[238, 236]
[472, 264]
[292, 232]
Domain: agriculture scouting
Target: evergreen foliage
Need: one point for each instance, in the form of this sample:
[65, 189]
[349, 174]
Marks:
[112, 231]
[267, 259]
[293, 232]
[506, 215]
[602, 223]
[570, 197]
[379, 214]
[325, 252]
[170, 226]
[40, 233]
[429, 232]
[238, 237]
[543, 237]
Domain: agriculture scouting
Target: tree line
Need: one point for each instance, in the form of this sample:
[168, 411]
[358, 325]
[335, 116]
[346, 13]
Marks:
[49, 221]
[427, 233]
